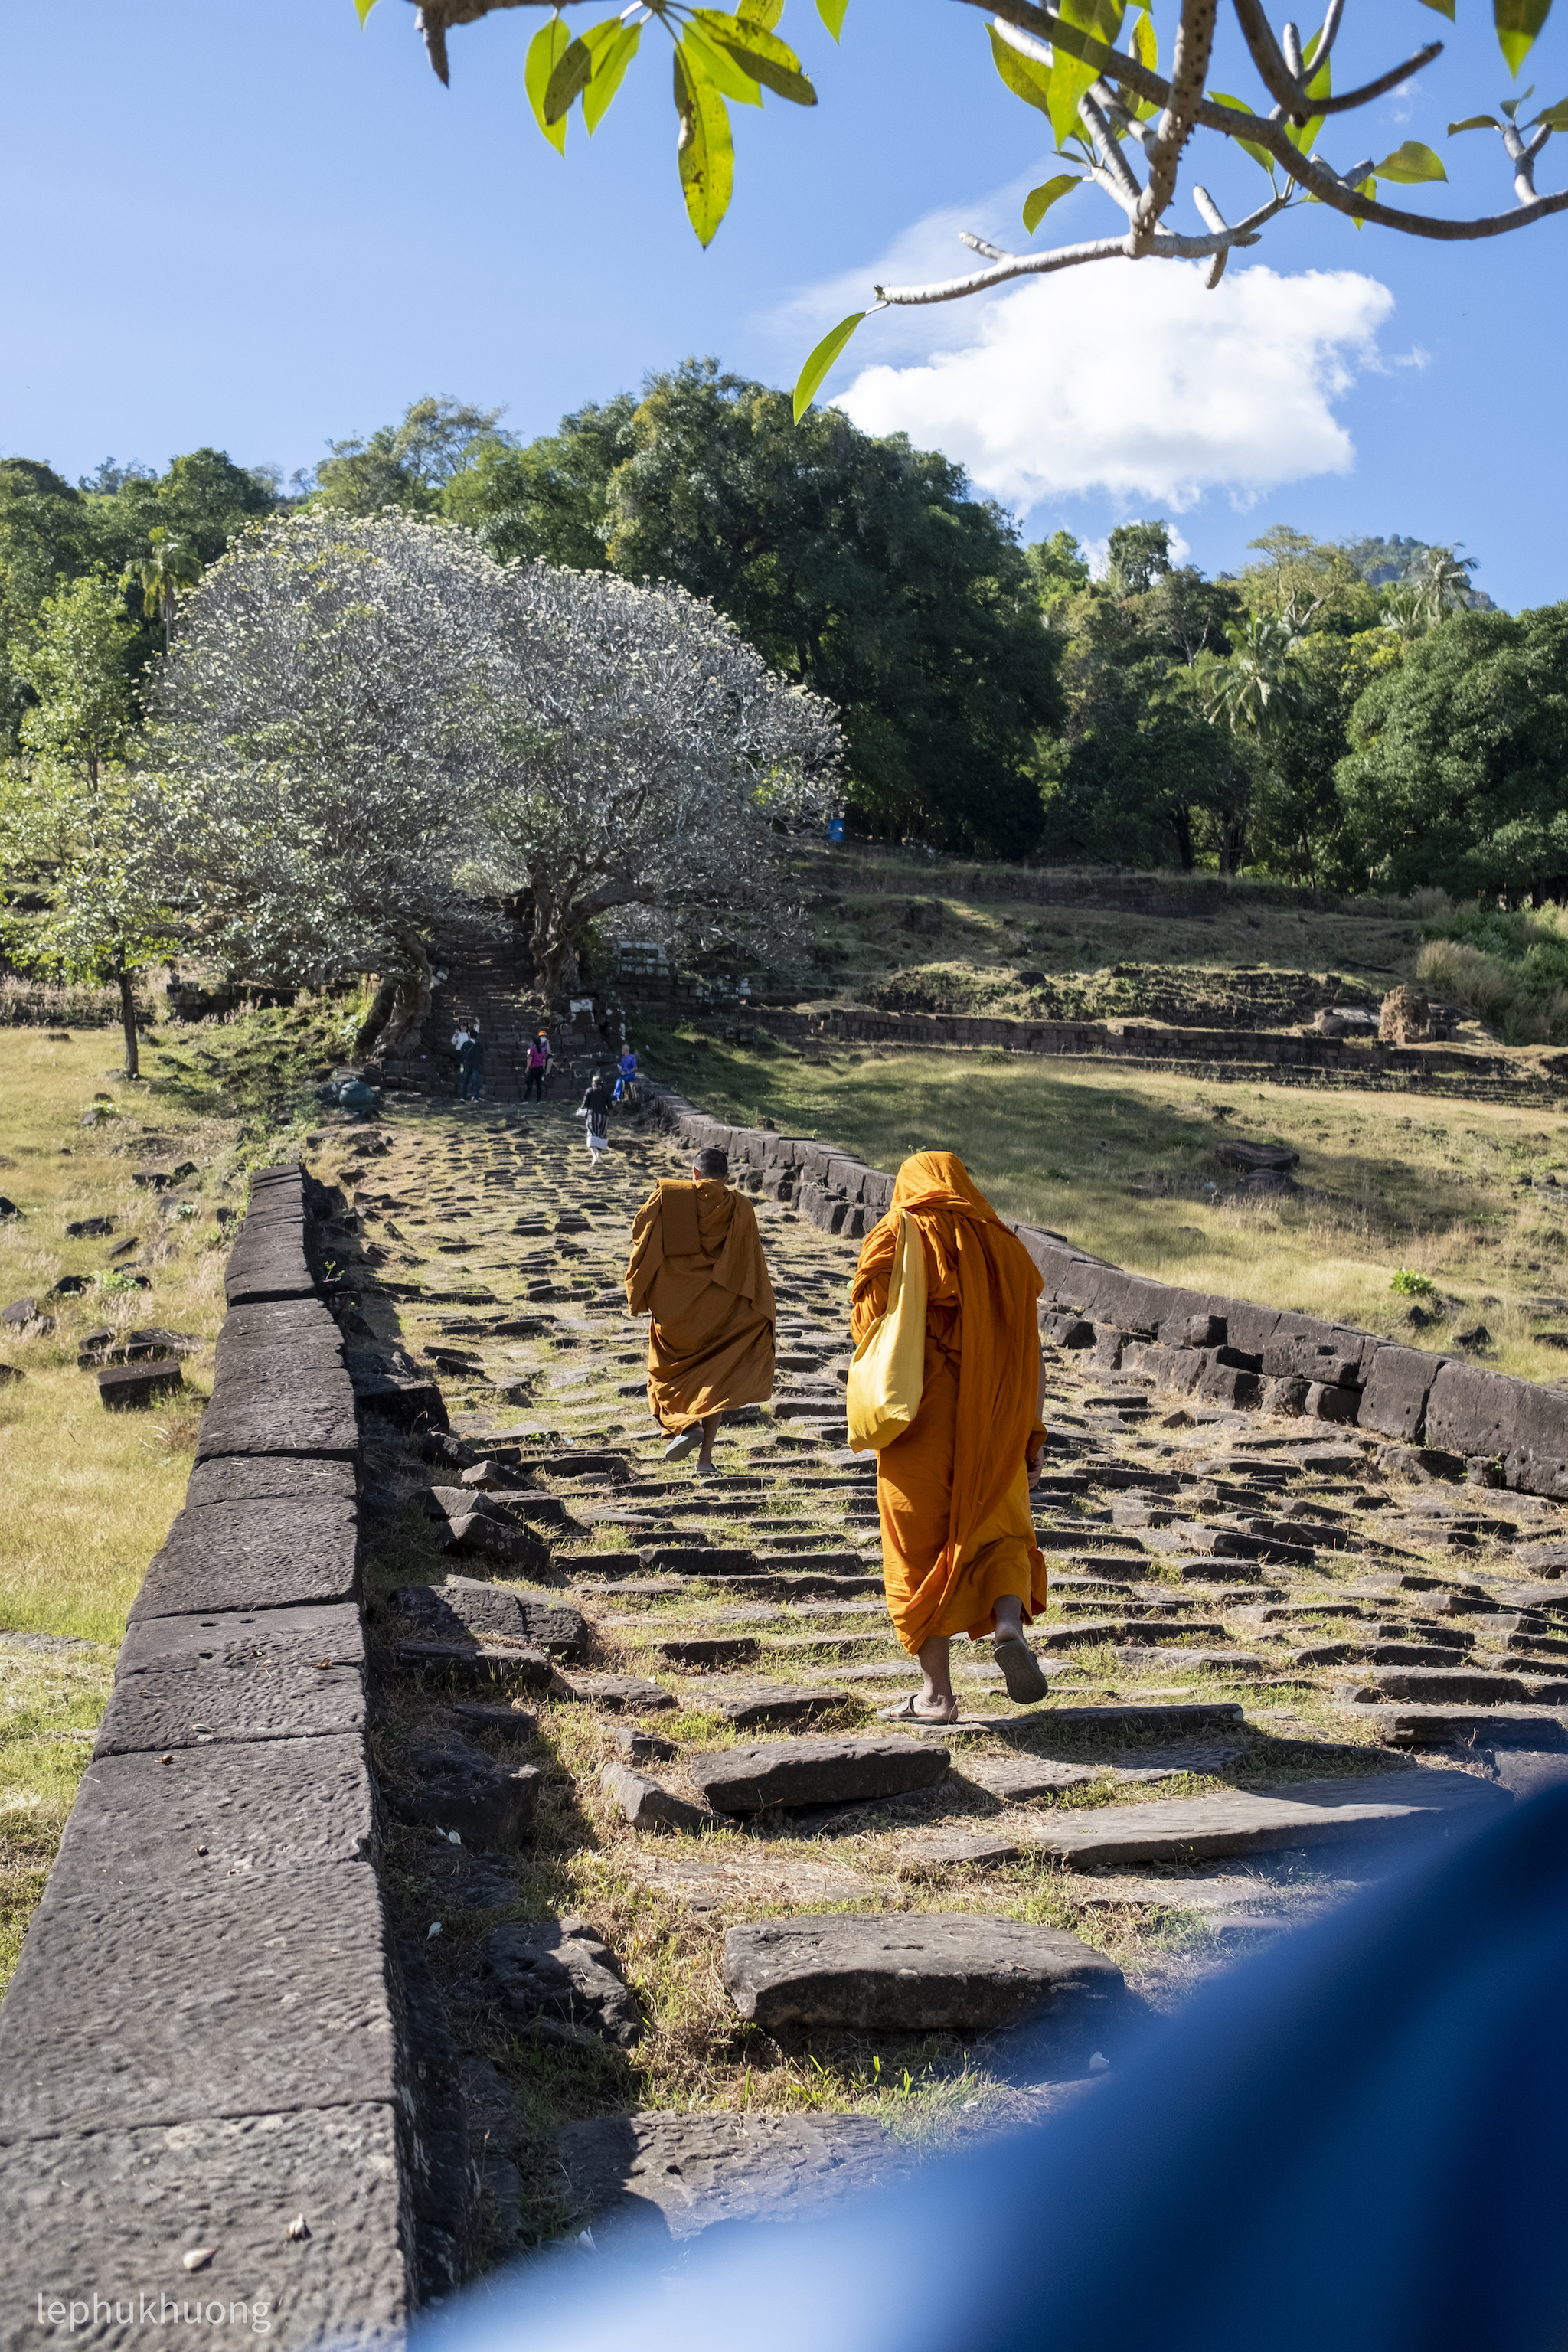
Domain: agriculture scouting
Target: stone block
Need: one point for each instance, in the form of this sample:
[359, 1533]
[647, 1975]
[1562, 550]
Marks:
[463, 1607]
[406, 1404]
[769, 1710]
[261, 1478]
[125, 1387]
[672, 2176]
[1327, 1404]
[1453, 1686]
[313, 1416]
[1473, 1412]
[1287, 1396]
[112, 2214]
[455, 1786]
[209, 1813]
[816, 1772]
[278, 1673]
[1547, 1560]
[259, 1555]
[479, 1664]
[1394, 1400]
[284, 1360]
[252, 1995]
[648, 1805]
[1223, 1384]
[1179, 1368]
[557, 1980]
[488, 1535]
[627, 1693]
[914, 1972]
[1303, 1814]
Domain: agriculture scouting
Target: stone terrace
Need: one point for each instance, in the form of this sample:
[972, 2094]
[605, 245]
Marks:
[690, 1909]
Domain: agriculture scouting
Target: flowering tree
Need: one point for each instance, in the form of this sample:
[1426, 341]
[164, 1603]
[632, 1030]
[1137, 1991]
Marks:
[649, 761]
[324, 721]
[368, 725]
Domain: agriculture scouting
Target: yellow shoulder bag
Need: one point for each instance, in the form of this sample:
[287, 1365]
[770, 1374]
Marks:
[888, 1375]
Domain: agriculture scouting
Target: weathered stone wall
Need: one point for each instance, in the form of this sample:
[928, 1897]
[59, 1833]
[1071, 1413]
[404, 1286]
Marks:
[1221, 1351]
[205, 2064]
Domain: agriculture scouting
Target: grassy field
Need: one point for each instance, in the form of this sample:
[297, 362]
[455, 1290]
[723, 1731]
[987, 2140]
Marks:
[86, 1497]
[1122, 1162]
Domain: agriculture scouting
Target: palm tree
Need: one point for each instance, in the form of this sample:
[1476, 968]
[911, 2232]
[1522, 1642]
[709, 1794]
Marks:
[1257, 686]
[1443, 582]
[161, 575]
[1406, 613]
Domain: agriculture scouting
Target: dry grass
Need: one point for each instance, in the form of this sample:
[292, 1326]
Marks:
[1120, 1160]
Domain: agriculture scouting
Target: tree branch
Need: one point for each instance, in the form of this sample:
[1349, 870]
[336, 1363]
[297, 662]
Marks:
[1164, 245]
[1194, 45]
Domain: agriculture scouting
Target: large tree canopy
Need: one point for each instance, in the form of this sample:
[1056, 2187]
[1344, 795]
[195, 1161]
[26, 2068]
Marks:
[859, 567]
[1459, 758]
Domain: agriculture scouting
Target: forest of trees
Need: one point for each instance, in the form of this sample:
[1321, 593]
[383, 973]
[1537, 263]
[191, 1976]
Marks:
[1353, 715]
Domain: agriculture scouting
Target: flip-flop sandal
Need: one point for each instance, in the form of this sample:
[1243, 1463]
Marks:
[682, 1447]
[1020, 1670]
[905, 1712]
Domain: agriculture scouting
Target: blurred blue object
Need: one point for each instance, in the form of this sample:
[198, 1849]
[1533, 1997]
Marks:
[1353, 2143]
[835, 828]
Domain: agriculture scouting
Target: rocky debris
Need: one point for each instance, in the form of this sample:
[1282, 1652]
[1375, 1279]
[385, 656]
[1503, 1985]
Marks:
[510, 1723]
[1404, 1017]
[914, 1972]
[1252, 1159]
[457, 1787]
[623, 1692]
[88, 1228]
[648, 1805]
[1303, 1814]
[123, 1387]
[638, 1747]
[556, 1981]
[816, 1772]
[464, 1607]
[674, 2176]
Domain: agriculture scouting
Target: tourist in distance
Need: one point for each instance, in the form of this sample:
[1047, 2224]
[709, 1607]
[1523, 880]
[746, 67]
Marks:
[471, 1064]
[538, 1068]
[596, 1108]
[959, 1554]
[628, 1069]
[697, 1270]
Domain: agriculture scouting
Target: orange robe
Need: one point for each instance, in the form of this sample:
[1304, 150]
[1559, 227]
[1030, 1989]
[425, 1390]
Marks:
[954, 1491]
[697, 1269]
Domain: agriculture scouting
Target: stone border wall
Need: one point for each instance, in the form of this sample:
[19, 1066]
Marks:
[1218, 1351]
[205, 2064]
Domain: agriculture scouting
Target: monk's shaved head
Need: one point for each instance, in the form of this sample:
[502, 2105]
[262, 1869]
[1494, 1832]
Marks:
[711, 1163]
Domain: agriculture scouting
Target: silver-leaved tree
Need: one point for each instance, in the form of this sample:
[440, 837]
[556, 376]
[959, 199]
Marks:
[369, 726]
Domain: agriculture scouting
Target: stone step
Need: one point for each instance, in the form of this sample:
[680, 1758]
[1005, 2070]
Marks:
[762, 1708]
[816, 1772]
[909, 1972]
[1462, 1687]
[659, 2175]
[1302, 1813]
[1436, 1727]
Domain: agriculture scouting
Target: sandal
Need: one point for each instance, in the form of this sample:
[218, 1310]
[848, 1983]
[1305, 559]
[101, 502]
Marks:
[1020, 1670]
[906, 1712]
[680, 1448]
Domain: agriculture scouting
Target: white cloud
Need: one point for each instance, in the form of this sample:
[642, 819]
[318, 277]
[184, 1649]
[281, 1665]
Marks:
[1145, 388]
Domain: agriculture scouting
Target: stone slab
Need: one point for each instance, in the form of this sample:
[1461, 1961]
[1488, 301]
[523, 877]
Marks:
[627, 1693]
[123, 1388]
[253, 1995]
[1435, 1727]
[315, 1416]
[112, 2215]
[478, 1665]
[1302, 1813]
[1398, 1384]
[264, 1478]
[257, 1808]
[278, 1673]
[914, 1972]
[556, 1981]
[673, 2176]
[274, 1323]
[648, 1804]
[455, 1786]
[288, 1359]
[816, 1772]
[465, 1606]
[1458, 1685]
[1170, 1658]
[1126, 1722]
[260, 1555]
[770, 1707]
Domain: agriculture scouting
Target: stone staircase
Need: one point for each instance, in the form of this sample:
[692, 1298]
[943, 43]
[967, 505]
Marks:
[1274, 1658]
[487, 980]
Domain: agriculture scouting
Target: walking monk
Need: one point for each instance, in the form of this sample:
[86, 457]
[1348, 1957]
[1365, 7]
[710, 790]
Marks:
[959, 1554]
[697, 1269]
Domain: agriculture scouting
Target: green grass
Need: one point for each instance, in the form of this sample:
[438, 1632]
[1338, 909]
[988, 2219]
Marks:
[1118, 1161]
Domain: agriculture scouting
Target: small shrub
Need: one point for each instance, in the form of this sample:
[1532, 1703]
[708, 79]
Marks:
[1406, 1284]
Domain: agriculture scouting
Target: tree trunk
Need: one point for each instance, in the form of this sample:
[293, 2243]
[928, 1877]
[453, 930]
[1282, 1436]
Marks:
[411, 996]
[376, 1019]
[128, 1021]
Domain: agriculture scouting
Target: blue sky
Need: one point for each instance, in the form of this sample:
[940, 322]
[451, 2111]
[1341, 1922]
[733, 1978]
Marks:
[255, 226]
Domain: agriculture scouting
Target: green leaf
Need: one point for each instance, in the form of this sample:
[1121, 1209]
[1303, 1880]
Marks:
[1444, 7]
[1146, 49]
[363, 9]
[568, 78]
[758, 53]
[611, 58]
[1259, 156]
[1517, 22]
[1303, 136]
[1555, 117]
[1039, 200]
[832, 14]
[545, 51]
[1069, 78]
[1475, 122]
[761, 12]
[710, 63]
[820, 360]
[1410, 163]
[1026, 76]
[704, 149]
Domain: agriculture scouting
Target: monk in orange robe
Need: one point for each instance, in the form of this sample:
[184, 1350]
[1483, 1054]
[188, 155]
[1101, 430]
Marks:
[697, 1270]
[959, 1554]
